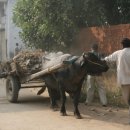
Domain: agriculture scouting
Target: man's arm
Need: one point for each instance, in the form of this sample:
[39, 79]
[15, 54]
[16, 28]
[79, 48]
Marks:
[113, 57]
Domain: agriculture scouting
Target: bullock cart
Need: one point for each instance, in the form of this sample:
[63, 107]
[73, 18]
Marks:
[15, 80]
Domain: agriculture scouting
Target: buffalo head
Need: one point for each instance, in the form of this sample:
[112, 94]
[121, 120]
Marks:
[94, 64]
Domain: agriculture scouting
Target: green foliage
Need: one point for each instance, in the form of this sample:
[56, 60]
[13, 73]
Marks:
[53, 24]
[117, 11]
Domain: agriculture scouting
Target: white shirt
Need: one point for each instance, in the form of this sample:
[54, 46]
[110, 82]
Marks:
[122, 59]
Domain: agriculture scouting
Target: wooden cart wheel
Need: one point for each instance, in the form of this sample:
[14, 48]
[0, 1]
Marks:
[12, 88]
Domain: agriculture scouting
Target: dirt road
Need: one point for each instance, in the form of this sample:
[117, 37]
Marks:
[33, 112]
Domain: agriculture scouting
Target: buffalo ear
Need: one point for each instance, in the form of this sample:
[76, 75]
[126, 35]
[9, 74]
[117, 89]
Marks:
[84, 58]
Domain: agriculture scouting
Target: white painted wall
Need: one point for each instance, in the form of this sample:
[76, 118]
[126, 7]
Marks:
[12, 32]
[3, 46]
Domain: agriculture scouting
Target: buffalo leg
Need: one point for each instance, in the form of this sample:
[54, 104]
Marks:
[63, 98]
[54, 105]
[76, 102]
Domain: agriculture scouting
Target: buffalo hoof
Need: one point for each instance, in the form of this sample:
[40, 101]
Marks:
[78, 116]
[86, 103]
[63, 114]
[55, 108]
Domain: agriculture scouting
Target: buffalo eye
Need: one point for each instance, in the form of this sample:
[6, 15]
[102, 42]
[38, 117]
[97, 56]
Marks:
[85, 55]
[82, 63]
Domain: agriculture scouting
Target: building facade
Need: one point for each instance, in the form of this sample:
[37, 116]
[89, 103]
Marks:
[12, 32]
[3, 43]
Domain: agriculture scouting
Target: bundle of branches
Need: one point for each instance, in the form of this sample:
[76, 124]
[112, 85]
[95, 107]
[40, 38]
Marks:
[28, 62]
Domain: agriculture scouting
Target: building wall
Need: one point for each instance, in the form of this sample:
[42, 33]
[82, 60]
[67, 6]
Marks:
[3, 55]
[3, 52]
[108, 37]
[12, 31]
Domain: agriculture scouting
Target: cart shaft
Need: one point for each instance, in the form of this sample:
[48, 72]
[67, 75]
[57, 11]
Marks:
[42, 73]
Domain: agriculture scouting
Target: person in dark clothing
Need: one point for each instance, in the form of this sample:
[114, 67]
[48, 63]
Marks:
[93, 82]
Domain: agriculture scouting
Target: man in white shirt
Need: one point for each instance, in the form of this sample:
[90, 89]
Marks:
[122, 59]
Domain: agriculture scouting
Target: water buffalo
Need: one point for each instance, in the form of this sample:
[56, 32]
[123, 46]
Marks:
[70, 80]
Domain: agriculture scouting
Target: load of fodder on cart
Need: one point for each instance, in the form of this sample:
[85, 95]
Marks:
[28, 62]
[31, 62]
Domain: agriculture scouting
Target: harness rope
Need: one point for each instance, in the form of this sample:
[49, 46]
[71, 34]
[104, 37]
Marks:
[95, 63]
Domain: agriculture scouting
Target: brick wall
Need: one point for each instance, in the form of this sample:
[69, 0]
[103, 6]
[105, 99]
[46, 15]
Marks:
[108, 37]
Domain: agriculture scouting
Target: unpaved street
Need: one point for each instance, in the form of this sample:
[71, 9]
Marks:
[33, 112]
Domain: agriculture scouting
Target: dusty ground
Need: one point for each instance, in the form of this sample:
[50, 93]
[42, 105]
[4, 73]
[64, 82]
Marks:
[33, 113]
